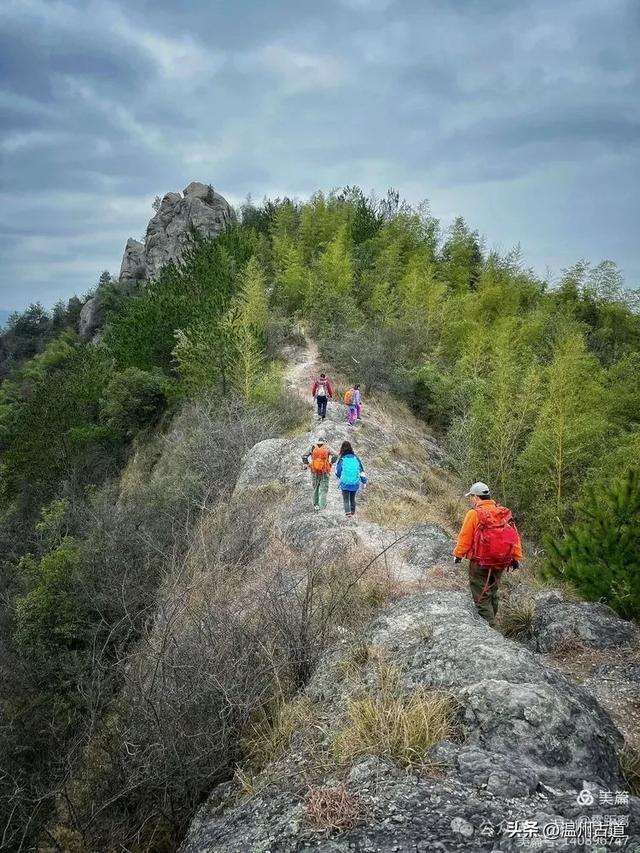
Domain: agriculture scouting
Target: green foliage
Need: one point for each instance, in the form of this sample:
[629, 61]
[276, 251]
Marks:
[599, 554]
[197, 289]
[205, 353]
[330, 296]
[53, 619]
[432, 394]
[49, 428]
[461, 257]
[133, 400]
[253, 304]
[568, 431]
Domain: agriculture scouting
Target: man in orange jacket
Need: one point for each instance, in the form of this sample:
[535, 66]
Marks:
[483, 580]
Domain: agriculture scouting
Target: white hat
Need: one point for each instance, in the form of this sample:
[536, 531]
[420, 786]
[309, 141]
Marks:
[321, 439]
[480, 490]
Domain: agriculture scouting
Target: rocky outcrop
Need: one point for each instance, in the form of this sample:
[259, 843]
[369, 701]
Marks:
[198, 206]
[91, 318]
[530, 742]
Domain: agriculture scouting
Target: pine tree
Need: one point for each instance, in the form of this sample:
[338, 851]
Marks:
[252, 298]
[290, 273]
[330, 293]
[570, 428]
[249, 363]
[600, 553]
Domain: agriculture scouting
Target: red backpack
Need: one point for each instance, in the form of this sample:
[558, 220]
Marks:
[495, 537]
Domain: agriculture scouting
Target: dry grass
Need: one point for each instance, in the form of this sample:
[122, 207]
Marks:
[351, 664]
[270, 734]
[515, 618]
[332, 809]
[630, 763]
[396, 507]
[393, 724]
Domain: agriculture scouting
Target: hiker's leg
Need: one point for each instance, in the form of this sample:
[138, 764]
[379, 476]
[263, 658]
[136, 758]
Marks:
[346, 500]
[316, 482]
[351, 416]
[322, 406]
[495, 595]
[358, 411]
[323, 488]
[353, 501]
[480, 592]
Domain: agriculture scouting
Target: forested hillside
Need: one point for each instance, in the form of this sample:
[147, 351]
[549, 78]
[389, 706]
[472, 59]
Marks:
[113, 451]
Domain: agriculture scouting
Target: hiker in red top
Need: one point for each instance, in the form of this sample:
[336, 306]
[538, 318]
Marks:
[322, 390]
[489, 539]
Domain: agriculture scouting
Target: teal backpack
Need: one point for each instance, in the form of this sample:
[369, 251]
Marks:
[350, 471]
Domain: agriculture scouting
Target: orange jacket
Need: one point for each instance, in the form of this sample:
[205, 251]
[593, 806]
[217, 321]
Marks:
[468, 529]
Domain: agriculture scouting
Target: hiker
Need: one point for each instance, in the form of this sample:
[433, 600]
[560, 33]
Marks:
[350, 472]
[322, 390]
[489, 539]
[353, 402]
[319, 461]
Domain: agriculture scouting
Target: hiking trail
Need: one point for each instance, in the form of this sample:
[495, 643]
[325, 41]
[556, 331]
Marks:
[404, 563]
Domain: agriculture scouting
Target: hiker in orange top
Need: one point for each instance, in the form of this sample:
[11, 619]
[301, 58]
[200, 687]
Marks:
[489, 539]
[319, 461]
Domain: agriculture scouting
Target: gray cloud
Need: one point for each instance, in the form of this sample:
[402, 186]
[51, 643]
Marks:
[524, 118]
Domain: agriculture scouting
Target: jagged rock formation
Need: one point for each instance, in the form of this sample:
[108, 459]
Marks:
[199, 206]
[529, 741]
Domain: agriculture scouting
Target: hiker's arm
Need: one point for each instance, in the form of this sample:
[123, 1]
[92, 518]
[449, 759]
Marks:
[313, 389]
[329, 388]
[339, 468]
[465, 537]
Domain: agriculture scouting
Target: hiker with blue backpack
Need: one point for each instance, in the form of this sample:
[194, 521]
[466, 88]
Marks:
[350, 473]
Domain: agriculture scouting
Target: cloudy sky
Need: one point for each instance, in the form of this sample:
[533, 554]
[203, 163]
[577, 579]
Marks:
[521, 115]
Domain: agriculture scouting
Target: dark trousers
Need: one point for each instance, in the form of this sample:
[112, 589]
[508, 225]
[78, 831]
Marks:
[484, 585]
[349, 500]
[322, 406]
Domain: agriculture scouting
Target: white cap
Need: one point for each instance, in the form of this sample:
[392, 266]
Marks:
[480, 490]
[321, 439]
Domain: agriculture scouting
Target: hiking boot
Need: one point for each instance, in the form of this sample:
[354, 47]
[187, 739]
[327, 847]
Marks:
[316, 507]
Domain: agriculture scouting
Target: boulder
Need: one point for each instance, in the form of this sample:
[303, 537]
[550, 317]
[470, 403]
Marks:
[559, 623]
[514, 705]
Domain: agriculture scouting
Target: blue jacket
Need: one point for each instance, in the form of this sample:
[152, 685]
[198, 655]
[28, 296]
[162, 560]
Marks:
[349, 487]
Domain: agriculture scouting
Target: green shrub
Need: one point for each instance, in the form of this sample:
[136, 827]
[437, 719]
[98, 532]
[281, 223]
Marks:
[133, 400]
[52, 619]
[599, 554]
[431, 394]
